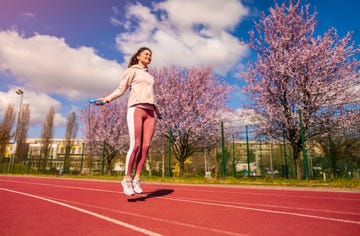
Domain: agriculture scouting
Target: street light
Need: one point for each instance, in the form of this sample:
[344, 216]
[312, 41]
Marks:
[21, 93]
[91, 101]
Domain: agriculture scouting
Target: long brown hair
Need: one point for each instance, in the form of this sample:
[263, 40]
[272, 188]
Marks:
[133, 59]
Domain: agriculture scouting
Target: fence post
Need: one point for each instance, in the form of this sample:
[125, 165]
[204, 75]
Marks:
[247, 150]
[169, 153]
[1, 162]
[103, 158]
[271, 159]
[261, 164]
[306, 168]
[38, 164]
[30, 163]
[285, 157]
[66, 147]
[51, 160]
[332, 157]
[82, 157]
[233, 155]
[223, 169]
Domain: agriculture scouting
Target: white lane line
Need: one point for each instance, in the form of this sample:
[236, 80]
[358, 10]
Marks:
[159, 219]
[215, 204]
[271, 206]
[210, 191]
[264, 210]
[102, 217]
[214, 191]
[281, 194]
[63, 186]
[128, 213]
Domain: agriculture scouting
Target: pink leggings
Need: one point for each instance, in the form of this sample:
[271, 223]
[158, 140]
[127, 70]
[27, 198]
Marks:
[141, 124]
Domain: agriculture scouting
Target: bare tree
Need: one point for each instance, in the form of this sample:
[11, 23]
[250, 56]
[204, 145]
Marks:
[47, 134]
[5, 128]
[72, 127]
[21, 146]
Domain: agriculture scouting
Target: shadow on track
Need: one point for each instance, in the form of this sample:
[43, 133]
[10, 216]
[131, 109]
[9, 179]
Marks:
[157, 193]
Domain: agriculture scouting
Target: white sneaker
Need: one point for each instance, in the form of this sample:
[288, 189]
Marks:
[127, 185]
[137, 185]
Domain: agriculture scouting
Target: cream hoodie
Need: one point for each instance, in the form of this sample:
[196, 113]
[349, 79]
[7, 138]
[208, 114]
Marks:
[141, 85]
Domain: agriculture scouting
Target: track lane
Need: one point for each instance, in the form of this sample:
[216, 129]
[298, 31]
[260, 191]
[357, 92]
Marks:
[204, 210]
[27, 215]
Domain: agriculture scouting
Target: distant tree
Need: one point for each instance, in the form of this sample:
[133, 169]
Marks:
[106, 125]
[298, 71]
[72, 127]
[47, 134]
[6, 126]
[21, 146]
[190, 100]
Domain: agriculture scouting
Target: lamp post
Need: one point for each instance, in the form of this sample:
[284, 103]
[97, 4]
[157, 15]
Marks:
[21, 93]
[90, 136]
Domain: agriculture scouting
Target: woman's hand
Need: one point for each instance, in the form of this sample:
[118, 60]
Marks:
[101, 101]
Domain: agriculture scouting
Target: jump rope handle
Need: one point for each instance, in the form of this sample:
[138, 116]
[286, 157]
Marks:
[96, 102]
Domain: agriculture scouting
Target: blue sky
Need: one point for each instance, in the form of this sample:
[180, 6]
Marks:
[62, 53]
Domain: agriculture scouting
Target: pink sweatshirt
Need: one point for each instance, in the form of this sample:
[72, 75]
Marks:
[141, 85]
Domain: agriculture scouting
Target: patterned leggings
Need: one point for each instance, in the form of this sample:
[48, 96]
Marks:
[141, 123]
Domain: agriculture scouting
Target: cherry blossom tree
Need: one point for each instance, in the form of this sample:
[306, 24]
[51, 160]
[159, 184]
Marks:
[106, 126]
[190, 101]
[298, 71]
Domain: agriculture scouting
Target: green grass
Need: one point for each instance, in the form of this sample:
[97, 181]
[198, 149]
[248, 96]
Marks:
[338, 183]
[275, 182]
[344, 183]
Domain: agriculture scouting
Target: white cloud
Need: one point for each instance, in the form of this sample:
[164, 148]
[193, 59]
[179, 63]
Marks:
[40, 104]
[52, 73]
[186, 32]
[115, 21]
[239, 117]
[47, 64]
[216, 15]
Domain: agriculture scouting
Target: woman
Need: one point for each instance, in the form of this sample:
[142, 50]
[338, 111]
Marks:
[140, 115]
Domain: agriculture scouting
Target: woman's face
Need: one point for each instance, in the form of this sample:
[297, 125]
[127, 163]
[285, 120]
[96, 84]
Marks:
[144, 58]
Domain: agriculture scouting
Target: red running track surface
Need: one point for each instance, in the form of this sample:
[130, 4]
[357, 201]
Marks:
[59, 206]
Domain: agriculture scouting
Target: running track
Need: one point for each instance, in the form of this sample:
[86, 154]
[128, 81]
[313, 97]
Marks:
[57, 206]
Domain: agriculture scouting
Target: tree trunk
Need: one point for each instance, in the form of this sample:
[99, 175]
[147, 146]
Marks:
[67, 159]
[296, 150]
[298, 169]
[108, 166]
[182, 167]
[297, 165]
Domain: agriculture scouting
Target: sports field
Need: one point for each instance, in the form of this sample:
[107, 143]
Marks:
[58, 206]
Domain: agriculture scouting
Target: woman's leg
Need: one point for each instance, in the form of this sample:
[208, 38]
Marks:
[134, 121]
[147, 134]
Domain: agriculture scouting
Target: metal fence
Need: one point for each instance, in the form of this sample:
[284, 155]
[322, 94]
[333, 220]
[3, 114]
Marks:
[239, 153]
